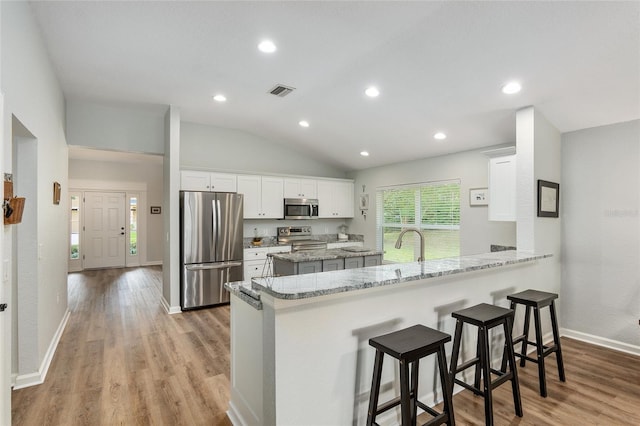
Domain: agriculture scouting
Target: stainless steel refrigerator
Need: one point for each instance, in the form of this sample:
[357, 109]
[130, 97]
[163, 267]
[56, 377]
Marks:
[210, 246]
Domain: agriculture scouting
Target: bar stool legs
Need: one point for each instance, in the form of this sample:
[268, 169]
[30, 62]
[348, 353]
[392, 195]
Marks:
[408, 346]
[535, 300]
[485, 317]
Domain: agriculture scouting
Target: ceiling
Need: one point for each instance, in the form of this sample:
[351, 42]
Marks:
[439, 66]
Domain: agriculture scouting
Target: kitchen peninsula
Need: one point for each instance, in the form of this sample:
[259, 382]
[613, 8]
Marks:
[299, 344]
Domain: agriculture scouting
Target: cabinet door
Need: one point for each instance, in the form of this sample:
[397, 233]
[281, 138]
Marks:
[309, 267]
[250, 187]
[272, 197]
[308, 188]
[343, 199]
[194, 181]
[373, 260]
[253, 269]
[292, 188]
[332, 265]
[325, 199]
[502, 188]
[353, 262]
[299, 188]
[223, 182]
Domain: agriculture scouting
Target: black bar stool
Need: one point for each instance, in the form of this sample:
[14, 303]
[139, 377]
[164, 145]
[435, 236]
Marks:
[538, 299]
[485, 317]
[408, 346]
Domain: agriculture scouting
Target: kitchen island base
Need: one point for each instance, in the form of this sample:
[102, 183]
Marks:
[307, 360]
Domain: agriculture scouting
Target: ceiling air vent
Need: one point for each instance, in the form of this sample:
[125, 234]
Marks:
[281, 90]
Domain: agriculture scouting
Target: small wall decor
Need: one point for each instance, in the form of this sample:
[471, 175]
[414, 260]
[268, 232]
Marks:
[156, 209]
[56, 193]
[364, 201]
[548, 199]
[478, 197]
[12, 207]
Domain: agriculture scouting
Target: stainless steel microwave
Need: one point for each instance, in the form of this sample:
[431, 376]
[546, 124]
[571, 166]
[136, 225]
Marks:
[300, 208]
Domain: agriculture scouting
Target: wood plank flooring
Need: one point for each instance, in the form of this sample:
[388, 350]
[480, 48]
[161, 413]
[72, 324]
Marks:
[123, 361]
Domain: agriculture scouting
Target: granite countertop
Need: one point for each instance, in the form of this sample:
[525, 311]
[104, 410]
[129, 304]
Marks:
[327, 238]
[243, 290]
[323, 254]
[325, 283]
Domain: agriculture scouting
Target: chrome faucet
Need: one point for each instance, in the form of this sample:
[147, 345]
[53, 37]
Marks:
[417, 231]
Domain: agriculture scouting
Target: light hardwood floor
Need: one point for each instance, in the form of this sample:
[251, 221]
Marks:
[123, 361]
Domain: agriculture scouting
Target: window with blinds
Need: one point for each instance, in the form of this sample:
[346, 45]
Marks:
[432, 207]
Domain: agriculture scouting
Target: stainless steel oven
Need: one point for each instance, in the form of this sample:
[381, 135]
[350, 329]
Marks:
[300, 208]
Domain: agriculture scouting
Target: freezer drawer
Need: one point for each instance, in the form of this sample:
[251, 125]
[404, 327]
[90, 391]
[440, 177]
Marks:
[203, 284]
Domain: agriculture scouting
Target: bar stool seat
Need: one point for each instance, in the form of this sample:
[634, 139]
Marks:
[486, 317]
[408, 346]
[535, 300]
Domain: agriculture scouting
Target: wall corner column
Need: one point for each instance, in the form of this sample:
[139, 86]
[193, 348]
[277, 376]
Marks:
[171, 185]
[538, 146]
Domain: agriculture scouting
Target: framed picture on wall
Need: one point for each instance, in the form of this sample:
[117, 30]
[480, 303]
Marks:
[548, 199]
[478, 197]
[57, 189]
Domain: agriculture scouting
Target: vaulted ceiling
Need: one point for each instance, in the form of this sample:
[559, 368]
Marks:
[439, 67]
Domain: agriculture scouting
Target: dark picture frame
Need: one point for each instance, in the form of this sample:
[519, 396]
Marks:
[156, 209]
[548, 199]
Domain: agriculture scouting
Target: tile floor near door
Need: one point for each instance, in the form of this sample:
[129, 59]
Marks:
[123, 361]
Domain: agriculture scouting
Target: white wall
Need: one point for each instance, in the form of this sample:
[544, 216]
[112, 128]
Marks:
[601, 236]
[116, 127]
[171, 218]
[213, 148]
[114, 174]
[477, 233]
[33, 96]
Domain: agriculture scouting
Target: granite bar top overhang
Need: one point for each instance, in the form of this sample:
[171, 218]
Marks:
[325, 283]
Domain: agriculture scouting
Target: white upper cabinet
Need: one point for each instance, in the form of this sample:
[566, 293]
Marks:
[263, 196]
[502, 188]
[206, 181]
[300, 188]
[335, 199]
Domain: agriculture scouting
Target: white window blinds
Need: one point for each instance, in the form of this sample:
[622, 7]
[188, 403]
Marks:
[432, 207]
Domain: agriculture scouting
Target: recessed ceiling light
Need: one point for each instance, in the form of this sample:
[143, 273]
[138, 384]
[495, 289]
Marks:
[372, 92]
[440, 136]
[364, 153]
[267, 46]
[303, 123]
[220, 98]
[511, 88]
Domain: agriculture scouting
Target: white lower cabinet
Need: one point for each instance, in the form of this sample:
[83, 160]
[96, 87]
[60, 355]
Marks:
[255, 260]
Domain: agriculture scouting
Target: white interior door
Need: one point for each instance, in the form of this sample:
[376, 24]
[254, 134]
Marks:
[104, 230]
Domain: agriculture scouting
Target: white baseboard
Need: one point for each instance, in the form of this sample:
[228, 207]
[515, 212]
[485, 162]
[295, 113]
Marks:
[152, 263]
[601, 341]
[170, 309]
[234, 416]
[37, 378]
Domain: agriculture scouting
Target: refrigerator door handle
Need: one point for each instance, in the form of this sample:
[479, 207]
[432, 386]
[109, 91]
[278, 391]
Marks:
[202, 267]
